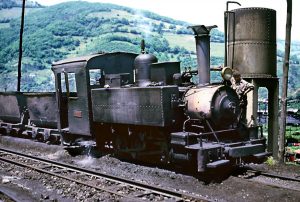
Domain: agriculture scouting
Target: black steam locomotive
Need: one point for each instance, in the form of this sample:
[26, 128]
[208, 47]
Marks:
[133, 106]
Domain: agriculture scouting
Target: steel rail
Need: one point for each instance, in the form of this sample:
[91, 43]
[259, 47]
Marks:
[62, 176]
[282, 177]
[155, 190]
[252, 174]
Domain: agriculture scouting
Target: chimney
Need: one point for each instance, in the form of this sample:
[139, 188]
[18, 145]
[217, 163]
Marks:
[202, 38]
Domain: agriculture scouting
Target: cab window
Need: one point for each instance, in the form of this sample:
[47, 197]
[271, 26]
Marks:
[96, 77]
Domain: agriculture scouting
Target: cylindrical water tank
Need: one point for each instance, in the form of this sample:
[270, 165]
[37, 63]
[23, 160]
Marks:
[252, 42]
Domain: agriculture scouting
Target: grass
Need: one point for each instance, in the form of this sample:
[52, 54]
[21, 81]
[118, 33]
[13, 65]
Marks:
[183, 40]
[217, 49]
[4, 25]
[10, 13]
[15, 12]
[188, 42]
[112, 14]
[294, 148]
[142, 21]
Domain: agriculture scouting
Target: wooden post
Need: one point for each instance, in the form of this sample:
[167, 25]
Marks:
[20, 48]
[285, 82]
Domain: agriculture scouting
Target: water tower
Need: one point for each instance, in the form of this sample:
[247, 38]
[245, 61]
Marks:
[251, 49]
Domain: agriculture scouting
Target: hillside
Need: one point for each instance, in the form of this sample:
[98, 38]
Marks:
[79, 28]
[83, 28]
[6, 4]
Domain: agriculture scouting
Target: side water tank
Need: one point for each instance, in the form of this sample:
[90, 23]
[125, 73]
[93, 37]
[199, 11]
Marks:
[252, 42]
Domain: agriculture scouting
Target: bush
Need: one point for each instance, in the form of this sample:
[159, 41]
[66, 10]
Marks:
[271, 161]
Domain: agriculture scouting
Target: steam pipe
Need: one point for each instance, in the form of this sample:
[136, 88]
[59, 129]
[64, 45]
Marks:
[202, 38]
[231, 2]
[226, 29]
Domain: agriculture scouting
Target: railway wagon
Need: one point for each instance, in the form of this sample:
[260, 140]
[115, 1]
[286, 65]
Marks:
[11, 107]
[30, 115]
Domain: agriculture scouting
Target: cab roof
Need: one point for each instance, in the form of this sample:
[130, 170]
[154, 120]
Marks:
[86, 58]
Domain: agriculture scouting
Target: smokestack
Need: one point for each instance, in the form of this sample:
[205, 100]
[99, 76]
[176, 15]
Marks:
[202, 38]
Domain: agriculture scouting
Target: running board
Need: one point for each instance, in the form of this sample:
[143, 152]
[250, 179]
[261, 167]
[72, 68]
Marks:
[217, 164]
[246, 150]
[262, 155]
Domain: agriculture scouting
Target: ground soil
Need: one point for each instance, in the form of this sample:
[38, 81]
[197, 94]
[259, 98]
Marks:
[230, 189]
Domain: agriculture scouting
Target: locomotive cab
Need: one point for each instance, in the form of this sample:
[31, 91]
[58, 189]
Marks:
[74, 79]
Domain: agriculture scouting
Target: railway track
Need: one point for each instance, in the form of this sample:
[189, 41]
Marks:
[260, 172]
[271, 179]
[120, 188]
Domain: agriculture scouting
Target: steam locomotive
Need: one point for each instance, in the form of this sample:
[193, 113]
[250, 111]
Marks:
[134, 106]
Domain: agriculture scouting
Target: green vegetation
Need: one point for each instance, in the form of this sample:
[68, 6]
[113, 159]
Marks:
[293, 148]
[18, 3]
[79, 28]
[271, 161]
[293, 132]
